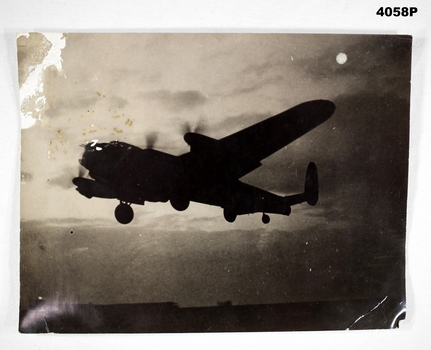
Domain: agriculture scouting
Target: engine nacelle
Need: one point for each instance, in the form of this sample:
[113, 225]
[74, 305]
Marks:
[200, 142]
[90, 188]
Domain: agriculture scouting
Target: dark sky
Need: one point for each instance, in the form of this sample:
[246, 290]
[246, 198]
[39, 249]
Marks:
[351, 245]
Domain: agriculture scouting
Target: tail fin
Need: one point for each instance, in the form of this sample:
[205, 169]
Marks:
[311, 188]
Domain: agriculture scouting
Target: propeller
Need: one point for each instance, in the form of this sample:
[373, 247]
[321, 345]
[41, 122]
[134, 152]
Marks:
[151, 139]
[64, 179]
[82, 172]
[198, 127]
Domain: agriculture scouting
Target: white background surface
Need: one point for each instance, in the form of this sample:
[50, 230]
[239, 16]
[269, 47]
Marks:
[222, 16]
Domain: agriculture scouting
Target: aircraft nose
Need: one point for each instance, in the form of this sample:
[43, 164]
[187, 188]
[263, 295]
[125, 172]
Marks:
[85, 159]
[84, 162]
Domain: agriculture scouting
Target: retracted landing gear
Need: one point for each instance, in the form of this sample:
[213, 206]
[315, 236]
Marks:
[229, 215]
[180, 204]
[124, 213]
[265, 218]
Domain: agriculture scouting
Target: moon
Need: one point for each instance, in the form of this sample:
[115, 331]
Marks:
[341, 58]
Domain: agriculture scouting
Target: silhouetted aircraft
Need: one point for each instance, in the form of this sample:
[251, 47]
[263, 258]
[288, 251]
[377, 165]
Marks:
[208, 174]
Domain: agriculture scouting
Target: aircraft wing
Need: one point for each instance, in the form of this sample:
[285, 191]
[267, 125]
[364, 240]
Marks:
[241, 198]
[243, 150]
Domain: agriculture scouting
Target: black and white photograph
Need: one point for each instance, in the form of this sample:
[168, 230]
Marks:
[196, 183]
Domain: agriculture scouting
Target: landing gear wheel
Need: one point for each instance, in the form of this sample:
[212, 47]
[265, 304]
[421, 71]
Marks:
[265, 219]
[124, 213]
[180, 204]
[229, 215]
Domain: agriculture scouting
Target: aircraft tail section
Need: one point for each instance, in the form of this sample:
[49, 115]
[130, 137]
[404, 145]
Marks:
[311, 188]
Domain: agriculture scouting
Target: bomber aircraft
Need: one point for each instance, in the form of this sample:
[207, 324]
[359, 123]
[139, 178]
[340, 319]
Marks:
[208, 174]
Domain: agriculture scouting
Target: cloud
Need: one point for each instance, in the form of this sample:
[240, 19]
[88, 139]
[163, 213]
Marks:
[199, 268]
[63, 95]
[255, 85]
[258, 70]
[179, 100]
[117, 102]
[64, 180]
[234, 123]
[377, 63]
[63, 105]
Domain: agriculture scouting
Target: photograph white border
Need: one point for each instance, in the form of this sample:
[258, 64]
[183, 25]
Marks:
[224, 16]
